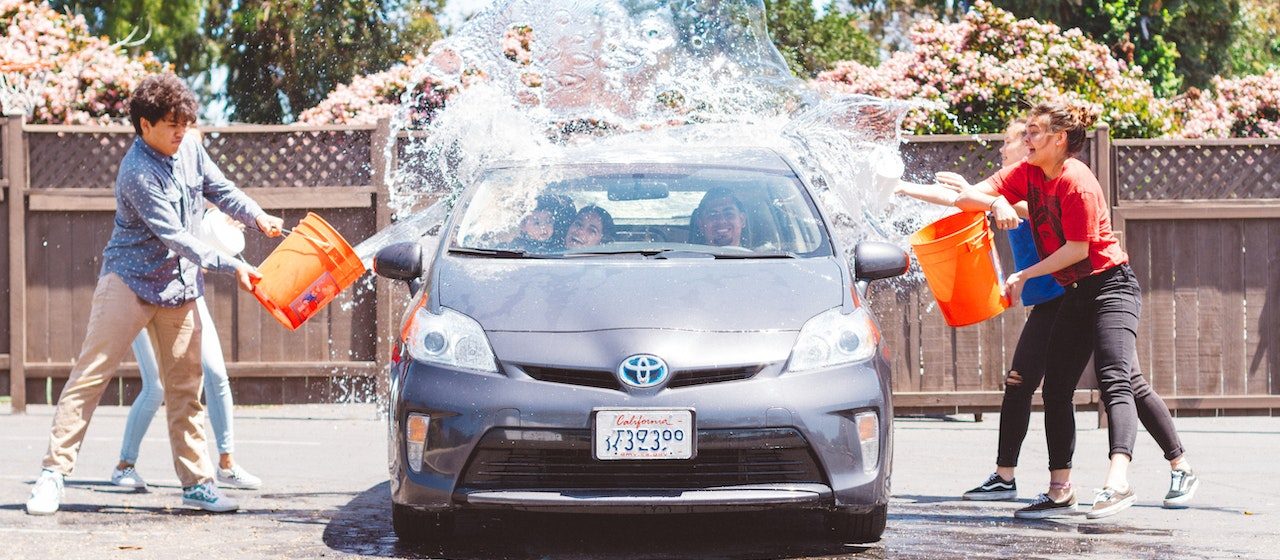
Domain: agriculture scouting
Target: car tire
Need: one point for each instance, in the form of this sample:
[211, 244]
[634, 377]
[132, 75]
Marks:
[416, 526]
[857, 528]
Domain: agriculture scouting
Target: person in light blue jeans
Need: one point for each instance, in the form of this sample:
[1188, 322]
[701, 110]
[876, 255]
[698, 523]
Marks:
[217, 389]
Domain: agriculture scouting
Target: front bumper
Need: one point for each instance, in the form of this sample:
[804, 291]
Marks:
[469, 410]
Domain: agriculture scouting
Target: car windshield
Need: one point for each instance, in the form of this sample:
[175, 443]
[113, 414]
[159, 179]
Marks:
[655, 210]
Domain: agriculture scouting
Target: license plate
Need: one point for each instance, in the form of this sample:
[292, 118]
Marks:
[643, 434]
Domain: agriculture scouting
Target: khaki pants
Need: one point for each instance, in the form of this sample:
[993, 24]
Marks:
[114, 320]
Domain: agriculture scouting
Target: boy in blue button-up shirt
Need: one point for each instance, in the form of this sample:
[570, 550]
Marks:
[152, 273]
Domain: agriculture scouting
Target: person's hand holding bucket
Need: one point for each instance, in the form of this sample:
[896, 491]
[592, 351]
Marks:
[273, 226]
[248, 277]
[1013, 287]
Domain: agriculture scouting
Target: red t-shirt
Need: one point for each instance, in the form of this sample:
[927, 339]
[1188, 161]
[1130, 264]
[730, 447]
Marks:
[1070, 207]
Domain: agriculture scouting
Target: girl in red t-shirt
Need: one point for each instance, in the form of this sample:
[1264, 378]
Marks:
[1099, 312]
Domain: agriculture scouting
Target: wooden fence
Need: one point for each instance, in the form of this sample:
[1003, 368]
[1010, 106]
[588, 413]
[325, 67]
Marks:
[1201, 221]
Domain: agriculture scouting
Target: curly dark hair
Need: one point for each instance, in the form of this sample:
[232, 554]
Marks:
[160, 96]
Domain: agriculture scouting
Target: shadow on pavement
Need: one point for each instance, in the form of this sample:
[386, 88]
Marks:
[363, 526]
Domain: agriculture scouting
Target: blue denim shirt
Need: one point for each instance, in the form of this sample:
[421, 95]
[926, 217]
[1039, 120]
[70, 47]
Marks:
[159, 204]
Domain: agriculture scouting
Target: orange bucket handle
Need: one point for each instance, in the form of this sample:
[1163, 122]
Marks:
[334, 254]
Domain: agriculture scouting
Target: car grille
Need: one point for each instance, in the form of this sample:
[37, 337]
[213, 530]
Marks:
[607, 380]
[509, 459]
[585, 377]
[716, 375]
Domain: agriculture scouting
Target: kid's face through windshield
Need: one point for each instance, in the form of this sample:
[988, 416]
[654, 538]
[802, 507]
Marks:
[538, 225]
[585, 231]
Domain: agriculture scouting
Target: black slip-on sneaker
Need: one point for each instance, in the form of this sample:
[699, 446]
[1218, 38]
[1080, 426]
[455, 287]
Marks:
[994, 489]
[1043, 507]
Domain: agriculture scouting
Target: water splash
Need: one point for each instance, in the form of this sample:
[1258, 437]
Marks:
[531, 77]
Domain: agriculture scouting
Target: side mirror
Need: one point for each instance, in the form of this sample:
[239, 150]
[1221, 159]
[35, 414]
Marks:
[399, 261]
[874, 260]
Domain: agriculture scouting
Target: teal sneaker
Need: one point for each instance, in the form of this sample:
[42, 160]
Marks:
[207, 497]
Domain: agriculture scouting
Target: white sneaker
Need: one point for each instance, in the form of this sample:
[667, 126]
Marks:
[237, 477]
[127, 477]
[207, 497]
[46, 495]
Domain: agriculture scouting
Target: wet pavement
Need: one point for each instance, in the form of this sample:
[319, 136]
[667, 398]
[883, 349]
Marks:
[325, 495]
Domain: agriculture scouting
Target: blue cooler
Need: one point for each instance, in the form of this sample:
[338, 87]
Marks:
[1036, 290]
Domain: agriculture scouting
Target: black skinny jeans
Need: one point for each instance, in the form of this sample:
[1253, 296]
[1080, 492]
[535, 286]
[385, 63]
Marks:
[1030, 359]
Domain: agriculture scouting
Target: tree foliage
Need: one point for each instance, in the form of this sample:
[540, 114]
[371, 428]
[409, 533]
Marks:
[1177, 43]
[811, 42]
[283, 56]
[171, 28]
[1257, 45]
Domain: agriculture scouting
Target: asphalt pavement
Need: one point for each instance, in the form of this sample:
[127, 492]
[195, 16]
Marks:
[325, 495]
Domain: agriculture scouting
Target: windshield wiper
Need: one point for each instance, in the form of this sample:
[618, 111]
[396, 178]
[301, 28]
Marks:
[759, 255]
[499, 253]
[670, 253]
[605, 252]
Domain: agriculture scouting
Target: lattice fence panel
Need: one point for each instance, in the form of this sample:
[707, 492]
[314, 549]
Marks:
[76, 159]
[303, 158]
[1229, 171]
[974, 159]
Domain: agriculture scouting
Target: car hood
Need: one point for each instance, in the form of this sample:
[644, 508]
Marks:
[591, 294]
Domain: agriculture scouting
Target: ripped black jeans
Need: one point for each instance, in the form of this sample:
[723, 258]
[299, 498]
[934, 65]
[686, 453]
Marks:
[1030, 360]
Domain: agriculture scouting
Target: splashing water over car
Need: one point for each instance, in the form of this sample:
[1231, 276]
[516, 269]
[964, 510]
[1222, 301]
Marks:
[528, 79]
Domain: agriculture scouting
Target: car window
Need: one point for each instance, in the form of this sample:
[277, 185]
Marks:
[651, 209]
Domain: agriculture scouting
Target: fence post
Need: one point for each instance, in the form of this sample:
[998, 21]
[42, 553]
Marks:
[382, 144]
[15, 166]
[1104, 161]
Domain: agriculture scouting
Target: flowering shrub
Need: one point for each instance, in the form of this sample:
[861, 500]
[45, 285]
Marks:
[1240, 107]
[987, 67]
[371, 97]
[76, 78]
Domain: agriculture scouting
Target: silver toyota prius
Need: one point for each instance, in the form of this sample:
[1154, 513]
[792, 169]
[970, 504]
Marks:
[640, 330]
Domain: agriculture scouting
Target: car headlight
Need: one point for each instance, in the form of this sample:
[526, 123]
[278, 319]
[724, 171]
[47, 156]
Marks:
[832, 338]
[449, 339]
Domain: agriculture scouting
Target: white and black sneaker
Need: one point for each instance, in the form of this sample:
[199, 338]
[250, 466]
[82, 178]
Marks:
[1182, 487]
[1044, 507]
[995, 488]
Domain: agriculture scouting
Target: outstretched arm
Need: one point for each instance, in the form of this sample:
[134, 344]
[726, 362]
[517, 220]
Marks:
[981, 198]
[936, 193]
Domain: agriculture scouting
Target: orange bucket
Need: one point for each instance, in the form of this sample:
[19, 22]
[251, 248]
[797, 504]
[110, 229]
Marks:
[312, 266]
[957, 255]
